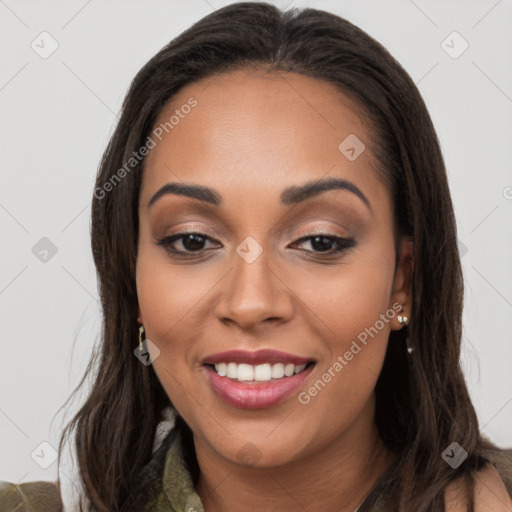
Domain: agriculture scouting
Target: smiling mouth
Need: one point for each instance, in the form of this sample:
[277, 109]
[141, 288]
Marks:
[265, 372]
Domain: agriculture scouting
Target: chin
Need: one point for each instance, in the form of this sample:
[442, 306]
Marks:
[263, 453]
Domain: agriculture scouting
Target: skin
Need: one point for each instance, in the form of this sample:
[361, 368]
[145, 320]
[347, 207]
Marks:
[251, 135]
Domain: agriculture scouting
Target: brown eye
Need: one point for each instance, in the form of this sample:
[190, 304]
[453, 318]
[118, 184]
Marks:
[192, 243]
[323, 243]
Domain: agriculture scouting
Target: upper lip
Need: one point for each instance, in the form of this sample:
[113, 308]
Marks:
[255, 357]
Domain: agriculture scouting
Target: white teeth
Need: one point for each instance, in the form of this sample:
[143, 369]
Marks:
[257, 373]
[278, 371]
[263, 372]
[245, 372]
[289, 370]
[232, 371]
[222, 369]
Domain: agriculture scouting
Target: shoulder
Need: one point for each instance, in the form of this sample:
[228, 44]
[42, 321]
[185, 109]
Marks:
[40, 496]
[491, 495]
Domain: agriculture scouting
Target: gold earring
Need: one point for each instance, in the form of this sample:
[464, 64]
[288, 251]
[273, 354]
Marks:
[403, 320]
[141, 332]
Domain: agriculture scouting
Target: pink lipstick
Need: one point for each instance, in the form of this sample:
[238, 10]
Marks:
[255, 380]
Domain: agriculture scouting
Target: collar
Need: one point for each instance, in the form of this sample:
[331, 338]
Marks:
[177, 481]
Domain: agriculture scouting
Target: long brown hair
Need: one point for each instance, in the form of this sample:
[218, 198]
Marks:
[422, 402]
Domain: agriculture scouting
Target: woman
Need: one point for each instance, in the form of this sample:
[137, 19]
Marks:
[272, 225]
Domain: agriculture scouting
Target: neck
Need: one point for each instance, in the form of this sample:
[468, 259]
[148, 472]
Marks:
[338, 477]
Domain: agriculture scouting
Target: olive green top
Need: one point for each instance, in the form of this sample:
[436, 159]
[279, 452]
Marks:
[166, 485]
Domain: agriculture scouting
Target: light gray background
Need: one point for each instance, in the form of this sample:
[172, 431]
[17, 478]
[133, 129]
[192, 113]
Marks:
[57, 115]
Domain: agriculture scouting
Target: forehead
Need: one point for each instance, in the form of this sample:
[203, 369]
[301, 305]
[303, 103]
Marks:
[254, 129]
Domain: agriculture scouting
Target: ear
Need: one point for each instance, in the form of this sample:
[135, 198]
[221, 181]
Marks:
[402, 284]
[139, 317]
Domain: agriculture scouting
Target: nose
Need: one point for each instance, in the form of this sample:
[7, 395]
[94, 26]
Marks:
[254, 293]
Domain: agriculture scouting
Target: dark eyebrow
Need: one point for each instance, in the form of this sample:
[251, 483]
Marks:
[291, 195]
[310, 189]
[195, 191]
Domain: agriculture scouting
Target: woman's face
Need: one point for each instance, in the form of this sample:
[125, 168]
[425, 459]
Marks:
[309, 277]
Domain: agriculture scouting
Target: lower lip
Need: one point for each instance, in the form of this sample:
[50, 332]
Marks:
[259, 395]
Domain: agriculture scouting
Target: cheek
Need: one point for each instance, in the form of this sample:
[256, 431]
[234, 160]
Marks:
[353, 316]
[346, 300]
[164, 303]
[356, 347]
[169, 295]
[173, 301]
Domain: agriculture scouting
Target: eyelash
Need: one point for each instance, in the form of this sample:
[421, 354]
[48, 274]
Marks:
[167, 243]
